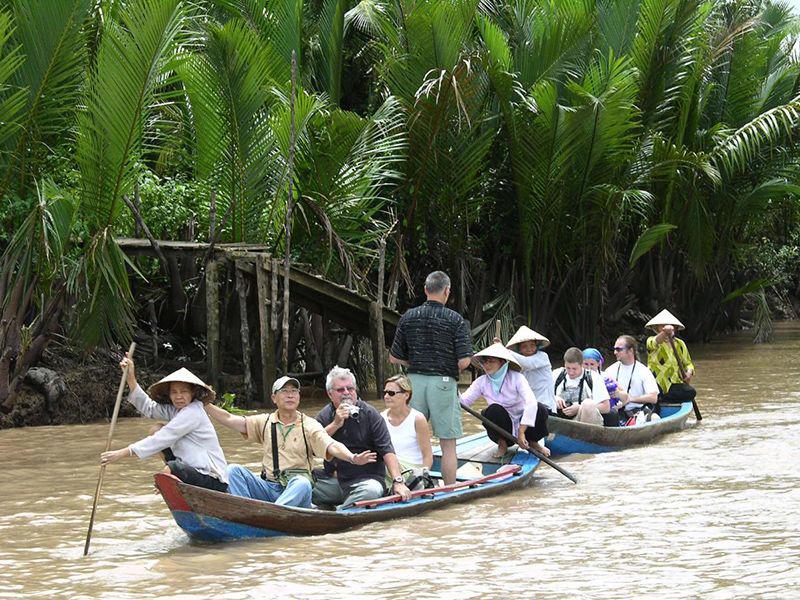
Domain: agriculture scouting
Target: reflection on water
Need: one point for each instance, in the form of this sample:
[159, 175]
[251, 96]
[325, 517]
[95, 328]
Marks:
[713, 511]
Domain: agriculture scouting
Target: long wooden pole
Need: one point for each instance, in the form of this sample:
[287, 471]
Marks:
[512, 440]
[682, 372]
[288, 224]
[108, 447]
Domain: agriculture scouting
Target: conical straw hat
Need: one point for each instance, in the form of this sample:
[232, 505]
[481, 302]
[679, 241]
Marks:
[526, 334]
[501, 352]
[159, 391]
[664, 318]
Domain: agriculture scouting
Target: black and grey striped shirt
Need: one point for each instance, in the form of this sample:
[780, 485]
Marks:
[432, 338]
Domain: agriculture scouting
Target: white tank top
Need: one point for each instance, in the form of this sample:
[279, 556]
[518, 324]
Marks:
[404, 438]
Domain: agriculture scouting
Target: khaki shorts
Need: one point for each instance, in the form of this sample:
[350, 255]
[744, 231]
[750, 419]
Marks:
[436, 397]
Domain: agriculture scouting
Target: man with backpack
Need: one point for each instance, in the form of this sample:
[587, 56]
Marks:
[580, 394]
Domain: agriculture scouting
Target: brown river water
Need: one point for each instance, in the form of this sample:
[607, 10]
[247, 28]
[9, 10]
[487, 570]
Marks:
[712, 512]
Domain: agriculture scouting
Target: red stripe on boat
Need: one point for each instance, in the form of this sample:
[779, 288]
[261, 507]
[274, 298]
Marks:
[168, 486]
[502, 473]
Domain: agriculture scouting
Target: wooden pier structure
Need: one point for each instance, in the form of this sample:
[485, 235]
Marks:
[358, 315]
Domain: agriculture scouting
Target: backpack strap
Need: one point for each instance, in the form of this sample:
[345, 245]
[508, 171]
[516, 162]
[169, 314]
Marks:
[587, 377]
[562, 377]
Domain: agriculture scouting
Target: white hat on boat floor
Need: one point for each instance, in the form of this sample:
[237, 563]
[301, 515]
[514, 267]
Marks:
[159, 391]
[664, 318]
[501, 352]
[526, 334]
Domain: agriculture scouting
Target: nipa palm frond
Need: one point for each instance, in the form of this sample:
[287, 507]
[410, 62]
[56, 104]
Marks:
[130, 63]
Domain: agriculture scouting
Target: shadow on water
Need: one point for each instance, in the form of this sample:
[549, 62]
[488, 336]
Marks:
[712, 511]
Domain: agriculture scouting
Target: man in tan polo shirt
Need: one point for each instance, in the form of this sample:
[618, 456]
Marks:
[290, 440]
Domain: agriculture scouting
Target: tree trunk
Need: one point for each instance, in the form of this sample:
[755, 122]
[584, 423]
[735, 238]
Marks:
[243, 289]
[212, 323]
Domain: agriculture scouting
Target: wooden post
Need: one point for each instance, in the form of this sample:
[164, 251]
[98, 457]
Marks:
[273, 293]
[379, 344]
[376, 336]
[288, 225]
[266, 332]
[381, 269]
[212, 322]
[242, 288]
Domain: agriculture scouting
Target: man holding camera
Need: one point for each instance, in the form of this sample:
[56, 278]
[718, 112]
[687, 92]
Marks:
[357, 425]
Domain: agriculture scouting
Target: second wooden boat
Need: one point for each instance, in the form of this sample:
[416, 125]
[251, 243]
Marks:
[568, 437]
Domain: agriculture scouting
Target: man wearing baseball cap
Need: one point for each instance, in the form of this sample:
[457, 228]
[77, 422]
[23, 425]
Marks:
[290, 441]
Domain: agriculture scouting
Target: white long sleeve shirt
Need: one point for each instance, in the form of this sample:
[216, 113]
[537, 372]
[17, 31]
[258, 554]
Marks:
[538, 371]
[189, 433]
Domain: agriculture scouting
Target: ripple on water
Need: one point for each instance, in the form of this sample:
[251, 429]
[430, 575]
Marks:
[710, 512]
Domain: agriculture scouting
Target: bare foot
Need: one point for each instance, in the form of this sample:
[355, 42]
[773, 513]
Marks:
[502, 448]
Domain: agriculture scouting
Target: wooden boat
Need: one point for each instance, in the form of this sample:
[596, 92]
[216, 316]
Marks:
[567, 437]
[214, 516]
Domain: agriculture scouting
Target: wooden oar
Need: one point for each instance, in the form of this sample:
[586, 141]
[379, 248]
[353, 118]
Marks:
[108, 447]
[682, 373]
[497, 330]
[512, 440]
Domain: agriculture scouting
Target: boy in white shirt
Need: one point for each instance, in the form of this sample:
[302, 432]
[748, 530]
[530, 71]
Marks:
[580, 394]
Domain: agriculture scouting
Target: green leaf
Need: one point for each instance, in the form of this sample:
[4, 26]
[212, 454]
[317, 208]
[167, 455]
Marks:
[749, 288]
[648, 239]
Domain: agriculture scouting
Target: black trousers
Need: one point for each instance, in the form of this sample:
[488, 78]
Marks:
[678, 392]
[498, 415]
[192, 476]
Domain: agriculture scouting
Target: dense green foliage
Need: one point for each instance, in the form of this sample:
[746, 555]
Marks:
[569, 162]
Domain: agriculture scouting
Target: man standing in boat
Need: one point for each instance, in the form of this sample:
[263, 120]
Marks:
[290, 440]
[434, 342]
[636, 385]
[359, 426]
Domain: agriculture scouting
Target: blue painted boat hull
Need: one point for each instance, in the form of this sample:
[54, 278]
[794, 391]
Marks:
[570, 437]
[213, 516]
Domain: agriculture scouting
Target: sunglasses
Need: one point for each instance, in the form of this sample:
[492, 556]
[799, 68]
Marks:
[620, 349]
[342, 390]
[391, 393]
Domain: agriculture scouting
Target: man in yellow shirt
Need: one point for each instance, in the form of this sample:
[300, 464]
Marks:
[290, 440]
[669, 360]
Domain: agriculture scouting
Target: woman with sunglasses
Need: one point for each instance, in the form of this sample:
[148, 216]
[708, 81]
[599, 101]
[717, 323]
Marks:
[408, 428]
[511, 404]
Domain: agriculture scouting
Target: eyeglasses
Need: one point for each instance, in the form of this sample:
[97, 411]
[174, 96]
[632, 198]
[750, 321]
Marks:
[289, 391]
[620, 348]
[342, 390]
[391, 393]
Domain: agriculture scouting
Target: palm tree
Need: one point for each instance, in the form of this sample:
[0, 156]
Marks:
[133, 56]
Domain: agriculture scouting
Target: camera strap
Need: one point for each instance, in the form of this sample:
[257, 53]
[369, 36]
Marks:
[276, 470]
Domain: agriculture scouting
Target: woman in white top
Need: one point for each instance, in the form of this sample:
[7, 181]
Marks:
[408, 428]
[527, 347]
[178, 399]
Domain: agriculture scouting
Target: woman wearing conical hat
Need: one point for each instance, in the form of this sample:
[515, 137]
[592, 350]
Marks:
[668, 358]
[178, 398]
[527, 346]
[511, 403]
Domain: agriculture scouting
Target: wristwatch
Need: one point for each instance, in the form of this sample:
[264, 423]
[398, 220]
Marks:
[399, 479]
